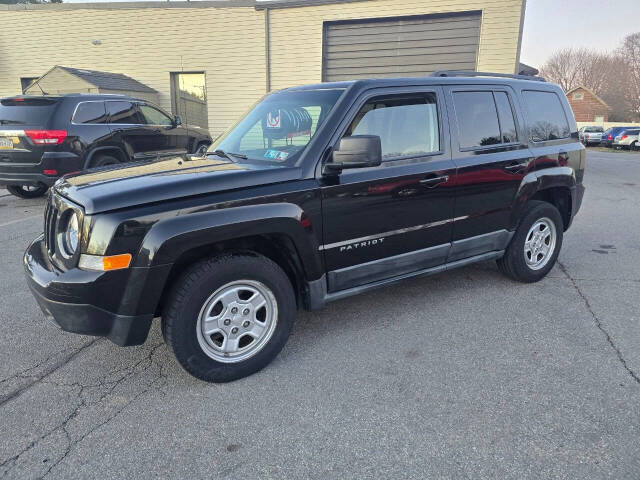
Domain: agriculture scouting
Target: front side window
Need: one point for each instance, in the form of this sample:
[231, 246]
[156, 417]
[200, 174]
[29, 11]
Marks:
[406, 124]
[279, 128]
[547, 120]
[90, 112]
[153, 116]
[121, 112]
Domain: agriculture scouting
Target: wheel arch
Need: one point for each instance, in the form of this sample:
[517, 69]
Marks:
[552, 185]
[278, 231]
[277, 247]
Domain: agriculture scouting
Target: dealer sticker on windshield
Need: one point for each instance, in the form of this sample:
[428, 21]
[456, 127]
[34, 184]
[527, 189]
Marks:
[273, 119]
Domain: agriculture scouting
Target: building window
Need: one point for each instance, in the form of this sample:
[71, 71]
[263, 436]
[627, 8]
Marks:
[26, 82]
[189, 97]
[578, 96]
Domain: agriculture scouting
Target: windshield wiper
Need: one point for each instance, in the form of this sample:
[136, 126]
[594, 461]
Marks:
[11, 122]
[229, 155]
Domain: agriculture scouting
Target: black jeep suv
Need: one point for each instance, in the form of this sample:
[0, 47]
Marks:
[44, 137]
[318, 193]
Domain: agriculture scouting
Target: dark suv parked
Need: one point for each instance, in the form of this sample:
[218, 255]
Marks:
[318, 193]
[43, 138]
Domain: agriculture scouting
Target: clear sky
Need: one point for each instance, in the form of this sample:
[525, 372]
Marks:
[553, 24]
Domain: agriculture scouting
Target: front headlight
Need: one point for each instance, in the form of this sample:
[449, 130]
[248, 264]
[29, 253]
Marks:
[71, 234]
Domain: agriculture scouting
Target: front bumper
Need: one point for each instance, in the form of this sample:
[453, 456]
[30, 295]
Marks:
[26, 173]
[67, 298]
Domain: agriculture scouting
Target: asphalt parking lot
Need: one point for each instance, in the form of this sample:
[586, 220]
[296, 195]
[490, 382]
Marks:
[461, 375]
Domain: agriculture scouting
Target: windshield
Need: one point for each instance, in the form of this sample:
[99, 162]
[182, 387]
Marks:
[26, 111]
[278, 129]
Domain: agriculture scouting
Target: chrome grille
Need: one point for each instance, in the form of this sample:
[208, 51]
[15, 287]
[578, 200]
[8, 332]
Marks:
[50, 221]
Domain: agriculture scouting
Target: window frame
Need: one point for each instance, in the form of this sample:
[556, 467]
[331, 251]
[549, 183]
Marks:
[528, 116]
[492, 90]
[367, 96]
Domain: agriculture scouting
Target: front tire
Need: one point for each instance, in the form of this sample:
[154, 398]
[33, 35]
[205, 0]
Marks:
[28, 191]
[229, 316]
[534, 248]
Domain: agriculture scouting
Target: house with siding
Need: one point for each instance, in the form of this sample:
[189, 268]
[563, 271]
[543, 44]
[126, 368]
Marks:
[587, 106]
[211, 60]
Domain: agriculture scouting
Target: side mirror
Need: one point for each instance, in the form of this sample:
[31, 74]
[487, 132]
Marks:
[357, 151]
[177, 120]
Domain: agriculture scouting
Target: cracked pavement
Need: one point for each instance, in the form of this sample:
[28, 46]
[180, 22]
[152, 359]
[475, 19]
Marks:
[464, 374]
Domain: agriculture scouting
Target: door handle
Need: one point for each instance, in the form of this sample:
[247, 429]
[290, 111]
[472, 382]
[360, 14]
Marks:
[433, 182]
[516, 168]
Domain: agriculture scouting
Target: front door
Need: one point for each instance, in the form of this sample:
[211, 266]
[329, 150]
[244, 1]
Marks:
[129, 128]
[173, 138]
[391, 220]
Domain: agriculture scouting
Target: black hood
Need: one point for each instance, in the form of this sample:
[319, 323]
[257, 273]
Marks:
[178, 177]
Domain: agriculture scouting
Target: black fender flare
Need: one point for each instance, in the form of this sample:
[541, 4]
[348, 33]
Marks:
[537, 181]
[168, 239]
[92, 153]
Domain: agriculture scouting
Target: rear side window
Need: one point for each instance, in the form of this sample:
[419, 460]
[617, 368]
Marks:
[547, 120]
[90, 112]
[406, 125]
[26, 111]
[477, 117]
[123, 113]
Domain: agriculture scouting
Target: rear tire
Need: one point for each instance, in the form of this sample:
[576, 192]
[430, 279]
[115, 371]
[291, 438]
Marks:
[28, 191]
[229, 316]
[534, 248]
[104, 160]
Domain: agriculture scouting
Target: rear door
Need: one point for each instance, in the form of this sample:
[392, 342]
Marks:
[492, 155]
[394, 219]
[22, 123]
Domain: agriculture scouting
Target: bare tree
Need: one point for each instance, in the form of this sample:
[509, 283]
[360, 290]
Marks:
[571, 68]
[629, 52]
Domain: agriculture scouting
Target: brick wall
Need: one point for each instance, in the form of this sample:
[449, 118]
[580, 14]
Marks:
[588, 108]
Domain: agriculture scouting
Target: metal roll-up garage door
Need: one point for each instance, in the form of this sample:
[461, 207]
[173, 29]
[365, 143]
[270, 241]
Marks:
[400, 46]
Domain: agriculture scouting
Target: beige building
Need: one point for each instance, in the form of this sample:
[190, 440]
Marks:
[219, 57]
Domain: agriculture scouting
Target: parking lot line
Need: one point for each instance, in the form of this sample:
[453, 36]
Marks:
[6, 224]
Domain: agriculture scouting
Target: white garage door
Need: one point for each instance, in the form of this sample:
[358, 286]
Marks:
[402, 46]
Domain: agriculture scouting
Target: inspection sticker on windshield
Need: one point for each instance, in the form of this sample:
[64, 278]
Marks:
[273, 119]
[276, 155]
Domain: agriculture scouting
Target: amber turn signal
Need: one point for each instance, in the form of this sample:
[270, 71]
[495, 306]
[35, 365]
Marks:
[104, 264]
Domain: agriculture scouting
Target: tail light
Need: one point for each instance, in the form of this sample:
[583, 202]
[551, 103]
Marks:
[46, 137]
[610, 137]
[586, 135]
[623, 137]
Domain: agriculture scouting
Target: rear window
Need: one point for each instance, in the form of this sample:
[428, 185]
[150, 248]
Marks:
[593, 129]
[26, 111]
[90, 112]
[123, 113]
[547, 120]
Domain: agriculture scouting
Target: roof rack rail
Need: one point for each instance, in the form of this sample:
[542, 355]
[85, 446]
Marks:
[470, 73]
